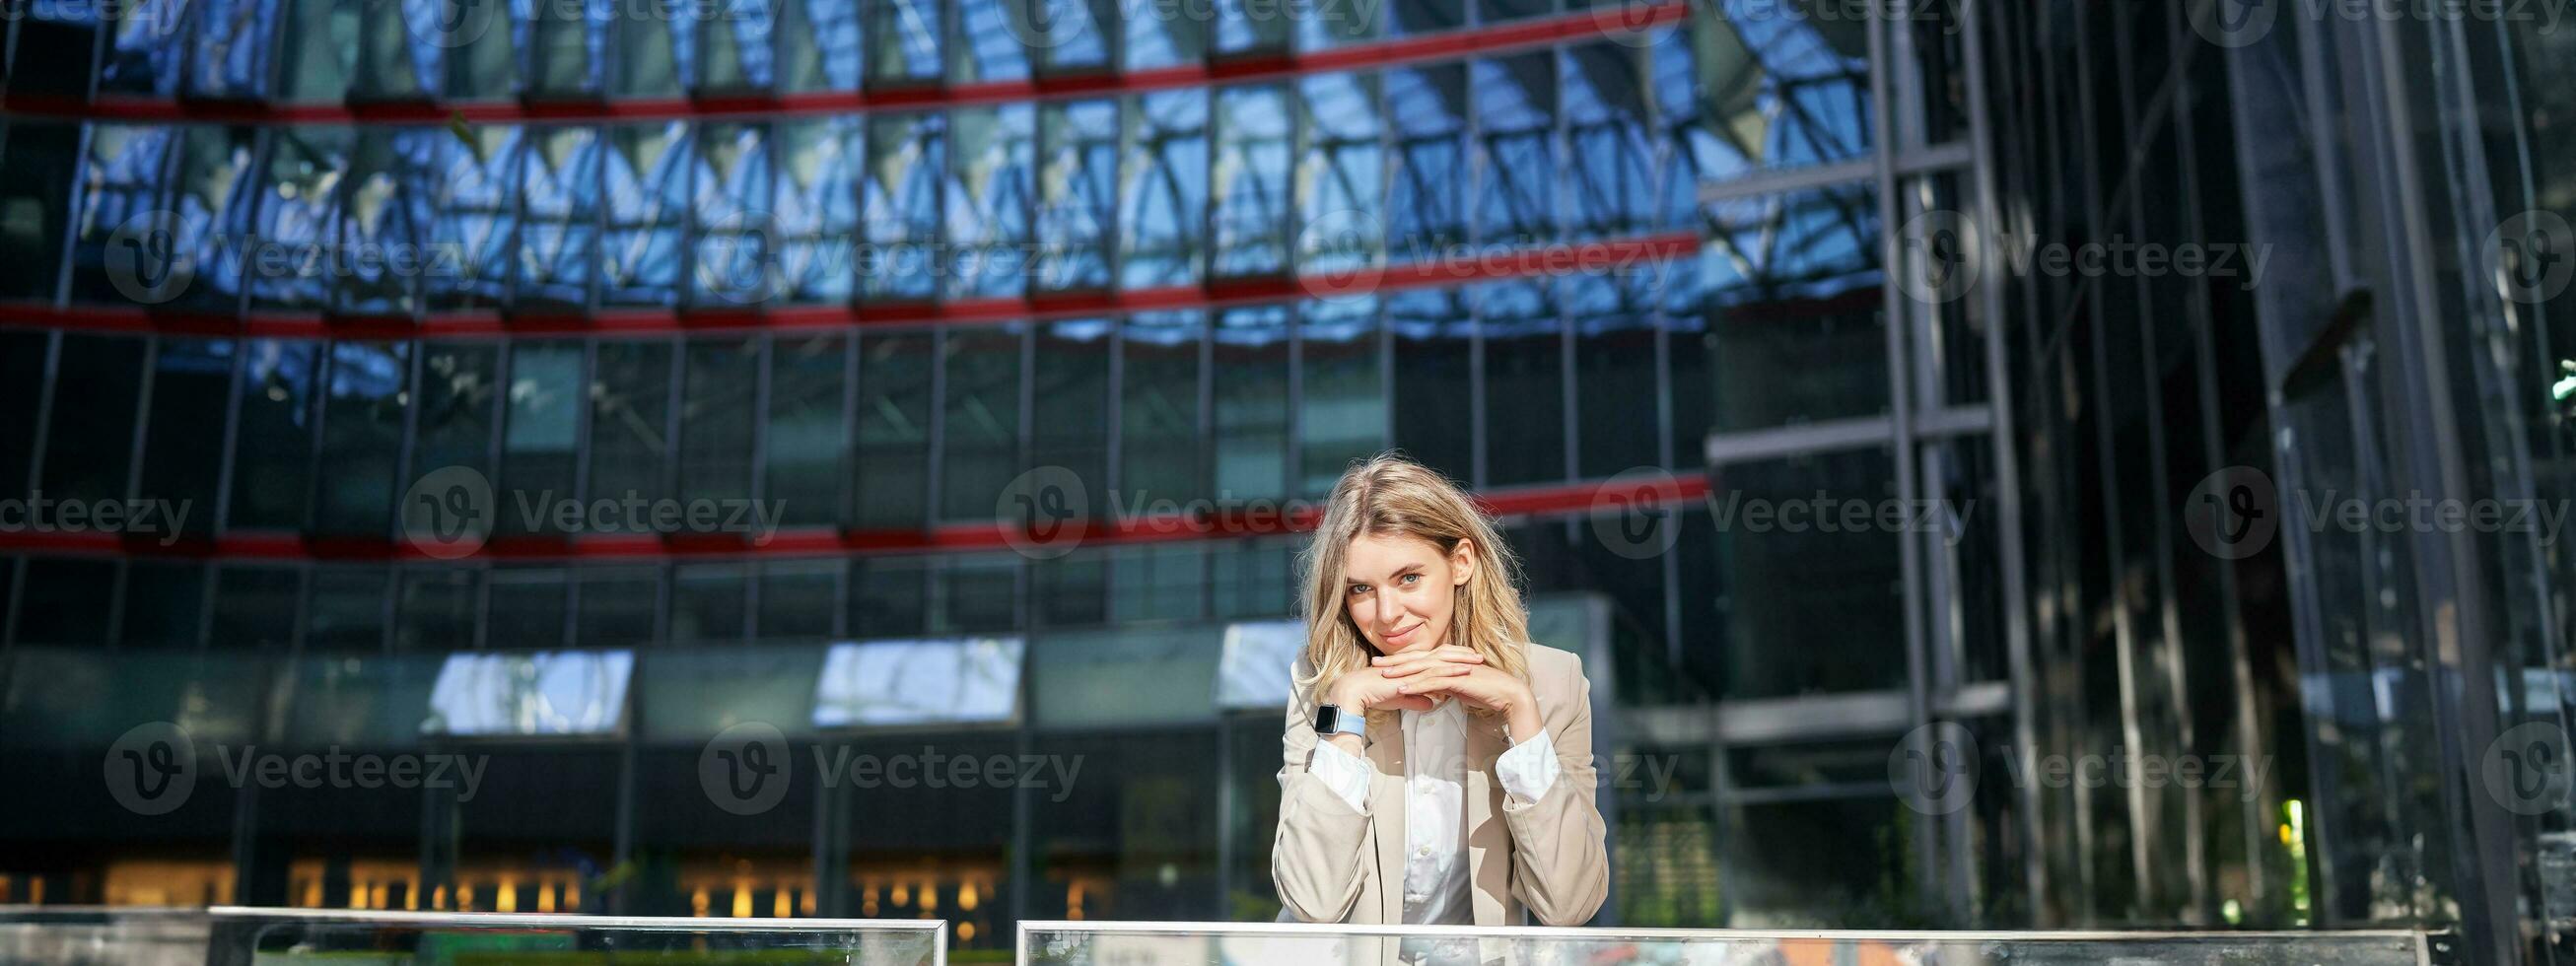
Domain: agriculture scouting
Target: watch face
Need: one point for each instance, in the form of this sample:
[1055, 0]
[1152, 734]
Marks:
[1326, 716]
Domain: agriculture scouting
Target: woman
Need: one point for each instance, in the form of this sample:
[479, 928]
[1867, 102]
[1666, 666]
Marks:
[1438, 766]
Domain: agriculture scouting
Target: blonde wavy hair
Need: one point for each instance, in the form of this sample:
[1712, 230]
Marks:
[1388, 496]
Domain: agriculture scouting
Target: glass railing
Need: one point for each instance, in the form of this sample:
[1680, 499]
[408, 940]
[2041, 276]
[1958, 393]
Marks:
[92, 936]
[1301, 944]
[230, 936]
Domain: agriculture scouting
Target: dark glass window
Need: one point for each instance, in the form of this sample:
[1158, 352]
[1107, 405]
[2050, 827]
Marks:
[183, 443]
[1077, 192]
[1754, 584]
[527, 608]
[1069, 405]
[991, 190]
[816, 224]
[458, 389]
[23, 356]
[273, 445]
[125, 205]
[558, 237]
[39, 165]
[542, 424]
[73, 595]
[1157, 582]
[893, 478]
[982, 420]
[1524, 383]
[1426, 202]
[889, 596]
[618, 605]
[165, 604]
[362, 426]
[1516, 124]
[907, 162]
[1341, 414]
[719, 416]
[1435, 359]
[1250, 347]
[347, 612]
[89, 448]
[630, 425]
[255, 608]
[646, 191]
[437, 608]
[807, 452]
[1071, 590]
[1793, 328]
[980, 593]
[797, 599]
[708, 603]
[1614, 376]
[736, 225]
[1158, 410]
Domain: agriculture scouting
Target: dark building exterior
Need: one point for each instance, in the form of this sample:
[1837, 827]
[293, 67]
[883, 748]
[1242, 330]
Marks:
[550, 391]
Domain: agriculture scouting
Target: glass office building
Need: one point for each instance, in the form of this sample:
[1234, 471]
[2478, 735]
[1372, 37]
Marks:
[866, 266]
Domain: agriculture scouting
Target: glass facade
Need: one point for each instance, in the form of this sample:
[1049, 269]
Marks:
[425, 329]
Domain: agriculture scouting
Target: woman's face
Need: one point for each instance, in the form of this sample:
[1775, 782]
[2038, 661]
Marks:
[1401, 590]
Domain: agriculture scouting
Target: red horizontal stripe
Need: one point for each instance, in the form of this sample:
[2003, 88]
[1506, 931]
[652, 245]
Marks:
[1449, 45]
[1290, 517]
[1495, 266]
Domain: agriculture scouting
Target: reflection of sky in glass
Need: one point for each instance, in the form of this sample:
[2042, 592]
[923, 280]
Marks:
[919, 682]
[1255, 671]
[542, 693]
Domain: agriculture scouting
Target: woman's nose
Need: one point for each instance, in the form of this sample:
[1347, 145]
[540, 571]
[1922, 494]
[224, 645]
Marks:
[1387, 612]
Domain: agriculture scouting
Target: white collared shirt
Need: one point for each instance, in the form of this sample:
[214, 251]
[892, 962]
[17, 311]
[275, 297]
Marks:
[1435, 815]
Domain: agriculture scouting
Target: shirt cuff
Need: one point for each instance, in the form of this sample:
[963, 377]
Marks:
[1529, 769]
[1342, 772]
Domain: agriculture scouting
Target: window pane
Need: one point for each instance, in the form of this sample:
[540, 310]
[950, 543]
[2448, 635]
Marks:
[1069, 411]
[796, 599]
[1156, 582]
[988, 199]
[630, 429]
[75, 595]
[232, 50]
[654, 50]
[645, 185]
[819, 45]
[347, 610]
[1752, 90]
[1251, 191]
[218, 190]
[1770, 580]
[527, 609]
[1163, 35]
[1077, 192]
[1614, 380]
[1341, 413]
[1793, 331]
[362, 426]
[1426, 204]
[457, 395]
[255, 608]
[1253, 579]
[619, 606]
[894, 432]
[993, 49]
[1158, 413]
[979, 595]
[717, 420]
[808, 449]
[983, 420]
[1516, 120]
[144, 50]
[1163, 202]
[1435, 401]
[183, 439]
[707, 603]
[542, 423]
[22, 387]
[120, 191]
[468, 188]
[1070, 591]
[558, 240]
[1610, 144]
[382, 223]
[1251, 434]
[165, 604]
[1524, 383]
[273, 448]
[90, 445]
[903, 40]
[816, 225]
[889, 596]
[294, 207]
[1341, 176]
[907, 159]
[564, 42]
[436, 609]
[736, 223]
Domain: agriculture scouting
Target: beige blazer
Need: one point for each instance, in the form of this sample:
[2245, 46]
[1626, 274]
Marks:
[1545, 860]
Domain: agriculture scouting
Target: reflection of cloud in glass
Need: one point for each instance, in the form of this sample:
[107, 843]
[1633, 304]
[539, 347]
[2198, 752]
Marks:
[544, 693]
[1255, 672]
[919, 682]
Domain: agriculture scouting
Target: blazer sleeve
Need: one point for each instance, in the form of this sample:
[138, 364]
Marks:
[1560, 855]
[1321, 851]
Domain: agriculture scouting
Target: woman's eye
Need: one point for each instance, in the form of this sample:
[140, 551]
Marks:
[1411, 579]
[1358, 589]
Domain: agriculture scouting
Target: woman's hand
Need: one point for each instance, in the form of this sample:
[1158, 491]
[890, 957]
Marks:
[1364, 689]
[1480, 685]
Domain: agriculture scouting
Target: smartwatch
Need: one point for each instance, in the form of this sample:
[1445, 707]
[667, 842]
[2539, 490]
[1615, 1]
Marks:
[1330, 721]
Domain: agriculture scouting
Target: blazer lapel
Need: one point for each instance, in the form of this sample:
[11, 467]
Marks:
[1489, 842]
[1387, 803]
